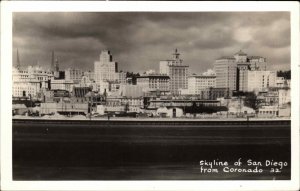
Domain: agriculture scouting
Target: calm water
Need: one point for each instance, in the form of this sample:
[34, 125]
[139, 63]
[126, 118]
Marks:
[144, 150]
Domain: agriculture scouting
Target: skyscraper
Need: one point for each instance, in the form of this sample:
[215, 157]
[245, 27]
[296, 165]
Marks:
[105, 69]
[177, 71]
[232, 71]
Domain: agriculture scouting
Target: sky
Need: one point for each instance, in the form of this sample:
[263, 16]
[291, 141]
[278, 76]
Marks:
[138, 41]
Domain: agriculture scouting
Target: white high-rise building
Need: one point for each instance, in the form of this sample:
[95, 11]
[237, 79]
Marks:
[259, 80]
[105, 69]
[226, 73]
[177, 71]
[231, 70]
[199, 83]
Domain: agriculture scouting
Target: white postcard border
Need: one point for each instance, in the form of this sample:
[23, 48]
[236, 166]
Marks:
[6, 88]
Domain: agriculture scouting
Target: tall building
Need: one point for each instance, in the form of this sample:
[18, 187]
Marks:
[231, 71]
[105, 69]
[198, 84]
[259, 80]
[226, 72]
[177, 71]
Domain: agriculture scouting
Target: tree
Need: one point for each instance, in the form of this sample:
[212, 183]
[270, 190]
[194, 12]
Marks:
[126, 107]
[285, 74]
[251, 100]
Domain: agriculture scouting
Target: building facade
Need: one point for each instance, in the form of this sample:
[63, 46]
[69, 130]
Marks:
[199, 83]
[105, 69]
[154, 82]
[73, 74]
[226, 73]
[62, 85]
[259, 80]
[177, 71]
[233, 71]
[29, 82]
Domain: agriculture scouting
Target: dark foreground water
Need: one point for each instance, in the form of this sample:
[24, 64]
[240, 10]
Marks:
[131, 150]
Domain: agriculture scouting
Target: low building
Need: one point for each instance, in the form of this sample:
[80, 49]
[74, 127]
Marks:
[154, 83]
[72, 74]
[133, 91]
[124, 104]
[181, 103]
[215, 93]
[19, 109]
[170, 112]
[62, 85]
[268, 111]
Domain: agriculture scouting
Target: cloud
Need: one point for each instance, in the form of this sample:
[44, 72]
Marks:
[139, 40]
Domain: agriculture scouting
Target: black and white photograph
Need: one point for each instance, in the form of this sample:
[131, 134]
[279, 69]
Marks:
[152, 96]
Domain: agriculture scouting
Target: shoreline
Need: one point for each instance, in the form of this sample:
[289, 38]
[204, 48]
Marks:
[146, 119]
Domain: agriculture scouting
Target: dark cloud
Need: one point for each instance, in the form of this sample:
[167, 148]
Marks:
[139, 40]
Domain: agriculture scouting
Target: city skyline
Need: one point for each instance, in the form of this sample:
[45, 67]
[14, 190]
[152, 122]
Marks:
[138, 41]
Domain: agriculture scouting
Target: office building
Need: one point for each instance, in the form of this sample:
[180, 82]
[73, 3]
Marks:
[231, 71]
[199, 83]
[154, 82]
[177, 71]
[105, 69]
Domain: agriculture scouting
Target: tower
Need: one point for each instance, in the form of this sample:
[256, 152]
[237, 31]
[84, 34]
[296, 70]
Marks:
[52, 68]
[18, 60]
[176, 55]
[177, 71]
[105, 69]
[56, 65]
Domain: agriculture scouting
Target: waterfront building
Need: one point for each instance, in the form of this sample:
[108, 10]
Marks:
[121, 104]
[180, 103]
[215, 93]
[154, 83]
[268, 111]
[169, 112]
[64, 107]
[269, 98]
[177, 71]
